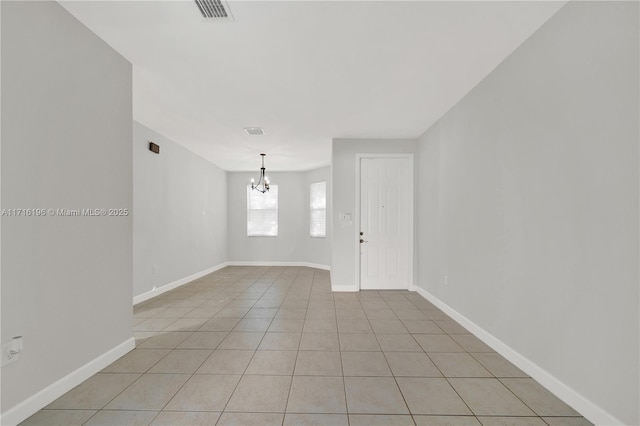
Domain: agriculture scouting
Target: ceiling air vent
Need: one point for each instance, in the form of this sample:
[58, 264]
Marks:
[214, 9]
[254, 130]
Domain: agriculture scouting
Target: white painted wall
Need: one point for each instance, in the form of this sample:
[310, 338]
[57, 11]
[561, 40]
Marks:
[293, 243]
[66, 143]
[345, 235]
[180, 213]
[529, 204]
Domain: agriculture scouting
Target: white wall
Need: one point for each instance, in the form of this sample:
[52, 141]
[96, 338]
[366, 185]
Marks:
[66, 143]
[180, 213]
[529, 204]
[293, 243]
[345, 235]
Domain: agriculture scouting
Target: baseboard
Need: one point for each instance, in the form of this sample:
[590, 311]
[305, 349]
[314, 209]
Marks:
[343, 287]
[260, 263]
[41, 399]
[170, 286]
[578, 402]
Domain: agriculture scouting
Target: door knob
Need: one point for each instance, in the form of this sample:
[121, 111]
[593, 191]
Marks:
[363, 241]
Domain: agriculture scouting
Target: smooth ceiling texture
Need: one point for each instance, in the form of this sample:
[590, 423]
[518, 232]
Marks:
[305, 71]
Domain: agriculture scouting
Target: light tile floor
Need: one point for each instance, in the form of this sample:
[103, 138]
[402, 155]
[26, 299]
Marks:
[274, 345]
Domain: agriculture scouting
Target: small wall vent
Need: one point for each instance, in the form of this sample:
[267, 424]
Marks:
[214, 9]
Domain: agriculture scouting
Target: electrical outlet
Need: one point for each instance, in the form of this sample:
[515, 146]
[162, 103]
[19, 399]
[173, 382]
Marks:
[155, 269]
[11, 351]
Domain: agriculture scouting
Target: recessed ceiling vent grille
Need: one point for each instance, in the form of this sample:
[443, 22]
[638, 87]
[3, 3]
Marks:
[254, 130]
[214, 9]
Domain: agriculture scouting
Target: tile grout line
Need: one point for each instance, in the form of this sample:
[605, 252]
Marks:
[344, 382]
[395, 380]
[245, 369]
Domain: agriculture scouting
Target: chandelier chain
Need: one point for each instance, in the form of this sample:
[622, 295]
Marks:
[263, 180]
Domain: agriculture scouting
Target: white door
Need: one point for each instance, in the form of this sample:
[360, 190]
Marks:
[386, 223]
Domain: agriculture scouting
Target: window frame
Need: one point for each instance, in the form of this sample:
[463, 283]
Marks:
[312, 210]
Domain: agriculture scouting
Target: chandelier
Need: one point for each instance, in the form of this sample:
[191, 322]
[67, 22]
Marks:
[263, 181]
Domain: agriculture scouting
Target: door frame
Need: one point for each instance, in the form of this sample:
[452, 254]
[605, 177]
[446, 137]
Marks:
[411, 197]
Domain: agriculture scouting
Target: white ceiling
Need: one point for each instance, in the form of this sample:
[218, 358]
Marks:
[305, 71]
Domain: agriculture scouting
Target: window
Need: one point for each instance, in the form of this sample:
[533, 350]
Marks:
[262, 212]
[318, 196]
